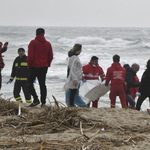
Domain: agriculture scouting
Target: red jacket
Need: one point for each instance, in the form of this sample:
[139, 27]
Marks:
[92, 73]
[40, 53]
[2, 50]
[133, 90]
[116, 74]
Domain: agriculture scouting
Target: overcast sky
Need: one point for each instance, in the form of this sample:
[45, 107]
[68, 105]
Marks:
[81, 13]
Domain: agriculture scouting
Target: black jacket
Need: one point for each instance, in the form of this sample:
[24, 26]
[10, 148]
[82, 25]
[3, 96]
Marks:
[145, 83]
[19, 69]
[129, 79]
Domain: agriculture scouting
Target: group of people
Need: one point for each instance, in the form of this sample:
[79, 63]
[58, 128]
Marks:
[25, 69]
[123, 79]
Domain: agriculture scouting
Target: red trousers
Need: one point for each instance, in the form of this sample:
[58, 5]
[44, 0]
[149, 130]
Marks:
[117, 90]
[94, 104]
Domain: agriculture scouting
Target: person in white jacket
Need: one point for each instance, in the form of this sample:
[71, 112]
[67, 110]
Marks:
[75, 73]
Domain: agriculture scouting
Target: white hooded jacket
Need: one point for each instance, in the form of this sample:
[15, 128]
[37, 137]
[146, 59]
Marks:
[75, 73]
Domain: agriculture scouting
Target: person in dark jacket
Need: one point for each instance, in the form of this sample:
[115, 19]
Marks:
[40, 56]
[19, 71]
[144, 88]
[2, 50]
[129, 79]
[134, 90]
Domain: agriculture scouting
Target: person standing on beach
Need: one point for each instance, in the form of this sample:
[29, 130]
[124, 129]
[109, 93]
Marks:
[116, 74]
[19, 70]
[130, 84]
[77, 100]
[144, 88]
[2, 50]
[93, 71]
[40, 56]
[75, 73]
[133, 90]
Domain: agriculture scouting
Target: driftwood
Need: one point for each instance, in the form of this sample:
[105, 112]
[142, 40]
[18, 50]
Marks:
[58, 120]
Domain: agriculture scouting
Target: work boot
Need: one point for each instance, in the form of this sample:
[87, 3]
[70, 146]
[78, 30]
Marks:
[35, 102]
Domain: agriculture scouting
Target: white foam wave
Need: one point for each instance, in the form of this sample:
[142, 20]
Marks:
[146, 45]
[116, 42]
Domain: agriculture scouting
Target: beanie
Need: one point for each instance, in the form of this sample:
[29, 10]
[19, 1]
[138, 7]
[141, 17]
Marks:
[21, 49]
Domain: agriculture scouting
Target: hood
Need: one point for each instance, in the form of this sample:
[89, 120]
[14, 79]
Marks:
[71, 53]
[129, 69]
[116, 65]
[40, 38]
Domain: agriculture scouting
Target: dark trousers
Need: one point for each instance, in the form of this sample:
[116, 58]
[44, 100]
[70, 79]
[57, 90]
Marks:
[17, 88]
[140, 101]
[40, 73]
[72, 96]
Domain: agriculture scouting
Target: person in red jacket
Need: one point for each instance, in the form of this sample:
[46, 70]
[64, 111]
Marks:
[116, 74]
[2, 50]
[40, 56]
[93, 71]
[135, 67]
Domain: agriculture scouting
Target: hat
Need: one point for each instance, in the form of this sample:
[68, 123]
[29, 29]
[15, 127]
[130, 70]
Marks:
[1, 43]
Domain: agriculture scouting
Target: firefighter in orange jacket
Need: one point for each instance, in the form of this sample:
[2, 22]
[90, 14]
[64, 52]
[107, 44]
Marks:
[93, 71]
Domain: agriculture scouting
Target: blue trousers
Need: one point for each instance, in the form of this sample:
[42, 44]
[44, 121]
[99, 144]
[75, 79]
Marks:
[77, 100]
[130, 100]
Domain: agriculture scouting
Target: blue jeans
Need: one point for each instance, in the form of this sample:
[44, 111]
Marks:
[77, 100]
[130, 100]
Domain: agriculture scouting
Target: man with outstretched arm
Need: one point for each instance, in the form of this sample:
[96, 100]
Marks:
[2, 64]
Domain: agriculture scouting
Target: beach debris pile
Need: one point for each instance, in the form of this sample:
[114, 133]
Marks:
[24, 127]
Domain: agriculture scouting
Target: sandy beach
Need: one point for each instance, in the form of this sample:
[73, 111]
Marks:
[72, 128]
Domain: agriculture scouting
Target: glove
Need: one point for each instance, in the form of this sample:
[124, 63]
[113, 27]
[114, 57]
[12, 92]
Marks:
[9, 81]
[84, 80]
[137, 94]
[100, 83]
[6, 43]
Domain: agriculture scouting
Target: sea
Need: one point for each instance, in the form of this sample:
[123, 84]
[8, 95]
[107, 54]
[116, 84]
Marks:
[132, 44]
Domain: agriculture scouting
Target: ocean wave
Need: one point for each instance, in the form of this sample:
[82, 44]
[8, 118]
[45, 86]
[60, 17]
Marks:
[117, 42]
[146, 45]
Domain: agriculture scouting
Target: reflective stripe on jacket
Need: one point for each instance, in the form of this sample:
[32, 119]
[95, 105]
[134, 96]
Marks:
[93, 73]
[19, 69]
